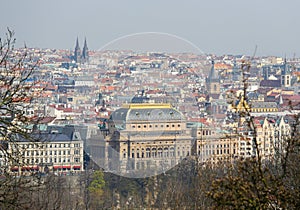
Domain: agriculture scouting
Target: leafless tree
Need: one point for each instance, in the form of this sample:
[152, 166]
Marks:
[16, 95]
[256, 182]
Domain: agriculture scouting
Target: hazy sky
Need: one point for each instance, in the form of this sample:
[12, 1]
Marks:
[214, 26]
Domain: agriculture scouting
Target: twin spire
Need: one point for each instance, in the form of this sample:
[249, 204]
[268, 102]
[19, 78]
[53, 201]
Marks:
[81, 57]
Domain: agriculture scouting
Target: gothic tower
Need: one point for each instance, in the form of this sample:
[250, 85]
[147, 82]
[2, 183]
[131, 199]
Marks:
[77, 52]
[85, 52]
[213, 81]
[285, 75]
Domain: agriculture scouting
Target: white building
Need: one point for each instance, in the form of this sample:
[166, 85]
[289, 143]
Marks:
[47, 153]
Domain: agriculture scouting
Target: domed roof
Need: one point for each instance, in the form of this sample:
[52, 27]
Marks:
[154, 114]
[145, 113]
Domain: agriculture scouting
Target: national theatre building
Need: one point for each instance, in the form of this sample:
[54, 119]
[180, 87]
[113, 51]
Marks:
[145, 138]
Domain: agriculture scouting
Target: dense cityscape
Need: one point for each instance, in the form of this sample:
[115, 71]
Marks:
[140, 115]
[149, 105]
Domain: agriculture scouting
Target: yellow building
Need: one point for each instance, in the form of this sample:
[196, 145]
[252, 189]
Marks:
[256, 106]
[214, 146]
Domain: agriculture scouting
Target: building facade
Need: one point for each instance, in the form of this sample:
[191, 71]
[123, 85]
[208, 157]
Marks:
[46, 153]
[147, 137]
[212, 145]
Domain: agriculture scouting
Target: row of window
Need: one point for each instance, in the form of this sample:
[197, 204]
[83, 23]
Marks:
[59, 152]
[212, 146]
[50, 160]
[264, 110]
[157, 153]
[47, 145]
[156, 126]
[167, 142]
[206, 132]
[158, 149]
[216, 152]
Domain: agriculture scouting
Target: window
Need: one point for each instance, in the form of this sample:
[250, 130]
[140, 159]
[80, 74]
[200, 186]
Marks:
[147, 152]
[76, 160]
[153, 152]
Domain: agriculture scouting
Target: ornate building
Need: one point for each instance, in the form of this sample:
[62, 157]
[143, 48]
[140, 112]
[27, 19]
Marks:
[146, 138]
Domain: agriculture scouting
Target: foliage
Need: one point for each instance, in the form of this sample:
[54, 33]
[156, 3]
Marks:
[97, 184]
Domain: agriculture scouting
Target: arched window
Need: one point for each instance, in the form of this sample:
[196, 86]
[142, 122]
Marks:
[148, 154]
[159, 152]
[153, 152]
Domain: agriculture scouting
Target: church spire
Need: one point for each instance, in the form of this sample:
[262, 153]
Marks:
[213, 75]
[77, 52]
[285, 70]
[77, 44]
[213, 81]
[85, 53]
[85, 44]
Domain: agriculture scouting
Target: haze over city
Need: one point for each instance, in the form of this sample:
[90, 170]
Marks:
[220, 27]
[149, 104]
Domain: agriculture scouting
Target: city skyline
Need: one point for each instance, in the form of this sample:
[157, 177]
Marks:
[228, 27]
